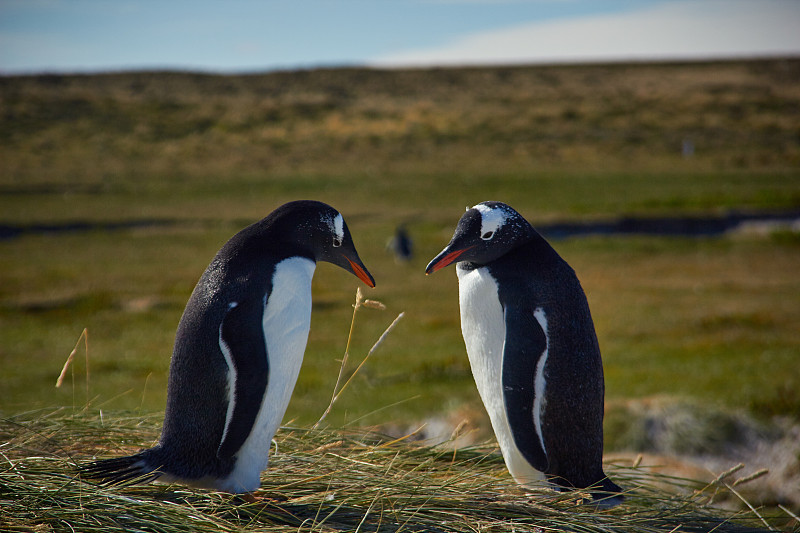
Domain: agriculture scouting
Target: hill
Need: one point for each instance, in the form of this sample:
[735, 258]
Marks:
[155, 126]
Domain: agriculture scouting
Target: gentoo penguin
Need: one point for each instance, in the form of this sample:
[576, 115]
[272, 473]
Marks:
[532, 348]
[401, 244]
[238, 351]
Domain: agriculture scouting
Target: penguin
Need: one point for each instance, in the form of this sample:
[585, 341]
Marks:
[532, 349]
[401, 245]
[238, 351]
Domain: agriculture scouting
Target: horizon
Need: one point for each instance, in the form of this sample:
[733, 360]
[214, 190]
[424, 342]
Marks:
[240, 37]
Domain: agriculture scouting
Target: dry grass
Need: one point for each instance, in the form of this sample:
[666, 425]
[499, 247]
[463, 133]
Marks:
[333, 480]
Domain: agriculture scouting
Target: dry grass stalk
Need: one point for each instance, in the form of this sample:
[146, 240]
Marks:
[337, 391]
[755, 475]
[345, 357]
[85, 337]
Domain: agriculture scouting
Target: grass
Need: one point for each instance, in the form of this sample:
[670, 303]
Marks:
[194, 158]
[335, 480]
[84, 148]
[662, 306]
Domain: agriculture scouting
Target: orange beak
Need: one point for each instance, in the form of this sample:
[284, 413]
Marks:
[445, 260]
[362, 274]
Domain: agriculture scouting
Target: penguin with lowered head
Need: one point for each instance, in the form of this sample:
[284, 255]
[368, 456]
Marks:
[238, 351]
[532, 348]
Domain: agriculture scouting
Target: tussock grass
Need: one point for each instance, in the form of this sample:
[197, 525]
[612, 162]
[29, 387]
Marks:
[331, 480]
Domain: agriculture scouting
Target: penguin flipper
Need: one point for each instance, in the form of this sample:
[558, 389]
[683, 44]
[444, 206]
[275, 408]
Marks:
[243, 344]
[521, 355]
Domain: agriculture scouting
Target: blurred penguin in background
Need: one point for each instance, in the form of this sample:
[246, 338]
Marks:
[401, 245]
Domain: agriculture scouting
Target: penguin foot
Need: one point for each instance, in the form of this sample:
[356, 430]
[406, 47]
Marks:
[248, 497]
[261, 497]
[600, 502]
[604, 495]
[609, 495]
[607, 501]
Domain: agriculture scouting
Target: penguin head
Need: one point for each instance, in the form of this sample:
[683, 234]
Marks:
[323, 230]
[485, 232]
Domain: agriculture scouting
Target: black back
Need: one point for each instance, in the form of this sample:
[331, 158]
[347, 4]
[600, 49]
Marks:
[531, 275]
[572, 422]
[240, 272]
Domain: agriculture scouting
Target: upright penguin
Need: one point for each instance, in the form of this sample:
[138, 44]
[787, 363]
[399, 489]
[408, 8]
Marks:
[238, 351]
[532, 348]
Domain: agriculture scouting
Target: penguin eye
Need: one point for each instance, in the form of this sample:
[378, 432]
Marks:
[337, 242]
[488, 235]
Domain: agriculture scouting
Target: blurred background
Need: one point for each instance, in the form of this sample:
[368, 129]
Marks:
[655, 144]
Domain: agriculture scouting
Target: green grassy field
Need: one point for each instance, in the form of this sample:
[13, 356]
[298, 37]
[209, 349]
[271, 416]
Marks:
[154, 171]
[713, 318]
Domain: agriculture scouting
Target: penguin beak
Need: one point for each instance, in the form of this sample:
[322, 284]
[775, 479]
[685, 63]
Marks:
[445, 258]
[361, 272]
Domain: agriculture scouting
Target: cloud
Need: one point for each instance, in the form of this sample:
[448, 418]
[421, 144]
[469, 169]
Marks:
[670, 30]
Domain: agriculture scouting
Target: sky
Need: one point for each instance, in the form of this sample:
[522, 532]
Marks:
[254, 36]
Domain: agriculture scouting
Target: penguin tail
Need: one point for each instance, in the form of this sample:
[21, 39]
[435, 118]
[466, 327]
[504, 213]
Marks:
[607, 494]
[130, 470]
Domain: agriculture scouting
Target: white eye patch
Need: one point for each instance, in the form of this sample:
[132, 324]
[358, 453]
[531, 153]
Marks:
[491, 220]
[336, 225]
[338, 228]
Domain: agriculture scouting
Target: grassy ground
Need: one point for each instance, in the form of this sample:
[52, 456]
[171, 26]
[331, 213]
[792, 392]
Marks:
[194, 158]
[201, 154]
[324, 480]
[674, 316]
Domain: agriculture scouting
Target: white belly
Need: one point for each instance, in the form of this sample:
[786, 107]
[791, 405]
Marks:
[286, 322]
[484, 331]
